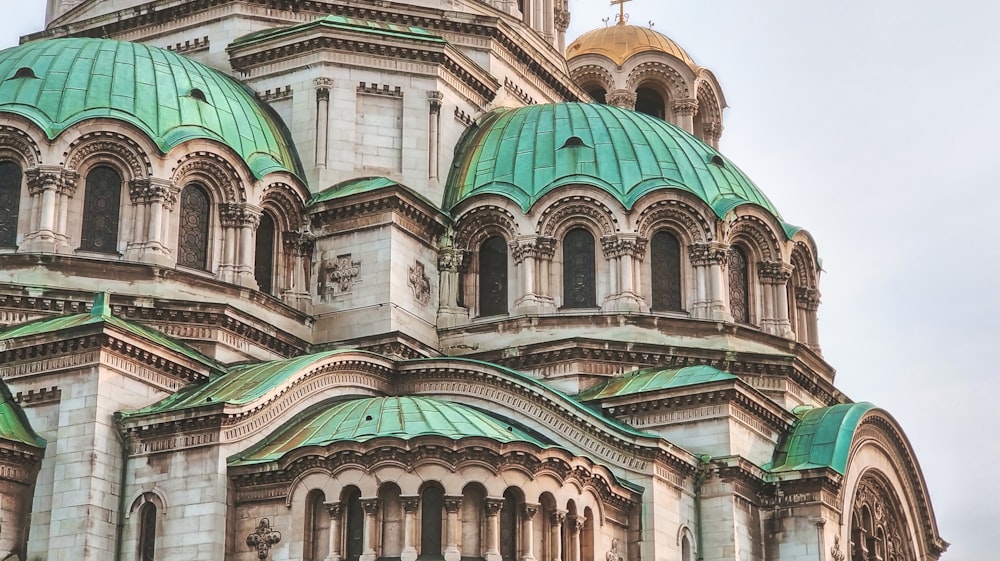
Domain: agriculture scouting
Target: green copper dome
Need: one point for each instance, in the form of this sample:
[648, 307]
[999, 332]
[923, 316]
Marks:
[821, 438]
[402, 417]
[524, 153]
[61, 82]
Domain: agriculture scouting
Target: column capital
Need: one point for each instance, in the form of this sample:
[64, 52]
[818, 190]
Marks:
[493, 506]
[624, 244]
[537, 247]
[686, 107]
[240, 214]
[370, 506]
[774, 272]
[335, 509]
[153, 189]
[562, 19]
[707, 253]
[528, 510]
[410, 503]
[621, 98]
[807, 298]
[575, 522]
[434, 98]
[452, 503]
[558, 517]
[57, 178]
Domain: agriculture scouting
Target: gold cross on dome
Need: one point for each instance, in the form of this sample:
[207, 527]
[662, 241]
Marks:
[621, 9]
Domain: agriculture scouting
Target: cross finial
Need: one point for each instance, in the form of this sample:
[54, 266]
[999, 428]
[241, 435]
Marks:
[621, 10]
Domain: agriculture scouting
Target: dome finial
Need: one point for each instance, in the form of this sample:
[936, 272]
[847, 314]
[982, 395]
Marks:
[622, 16]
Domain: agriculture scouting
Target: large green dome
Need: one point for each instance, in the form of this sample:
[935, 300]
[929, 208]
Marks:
[524, 153]
[61, 82]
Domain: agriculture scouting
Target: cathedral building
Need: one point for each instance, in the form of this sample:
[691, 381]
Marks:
[370, 280]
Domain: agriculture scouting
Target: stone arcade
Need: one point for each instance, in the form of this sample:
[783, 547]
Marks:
[363, 280]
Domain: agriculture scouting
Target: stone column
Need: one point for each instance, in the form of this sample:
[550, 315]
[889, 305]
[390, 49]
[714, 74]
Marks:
[150, 198]
[558, 518]
[708, 260]
[812, 300]
[451, 264]
[336, 511]
[433, 135]
[623, 251]
[575, 522]
[713, 132]
[528, 532]
[298, 247]
[531, 254]
[452, 504]
[684, 109]
[47, 185]
[249, 219]
[323, 86]
[561, 20]
[370, 507]
[621, 98]
[493, 507]
[410, 505]
[774, 277]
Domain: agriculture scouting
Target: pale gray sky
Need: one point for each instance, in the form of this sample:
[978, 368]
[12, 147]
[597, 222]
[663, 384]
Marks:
[870, 124]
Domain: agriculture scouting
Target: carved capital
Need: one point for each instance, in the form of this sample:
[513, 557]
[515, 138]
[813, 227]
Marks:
[619, 245]
[452, 503]
[528, 511]
[336, 510]
[370, 506]
[435, 98]
[151, 189]
[493, 506]
[807, 298]
[707, 253]
[621, 98]
[537, 247]
[410, 503]
[60, 179]
[450, 259]
[562, 18]
[774, 272]
[558, 517]
[686, 107]
[239, 214]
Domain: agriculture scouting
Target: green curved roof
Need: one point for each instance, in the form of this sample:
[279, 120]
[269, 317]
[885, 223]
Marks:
[151, 88]
[821, 438]
[523, 154]
[403, 417]
[654, 379]
[14, 425]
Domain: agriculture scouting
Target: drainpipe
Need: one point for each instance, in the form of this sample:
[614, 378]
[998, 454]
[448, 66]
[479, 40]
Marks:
[120, 526]
[703, 471]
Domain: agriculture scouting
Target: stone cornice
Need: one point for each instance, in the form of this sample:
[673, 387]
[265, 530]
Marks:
[398, 205]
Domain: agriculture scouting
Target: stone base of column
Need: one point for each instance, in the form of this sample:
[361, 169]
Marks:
[332, 557]
[623, 302]
[492, 555]
[301, 301]
[452, 317]
[451, 553]
[528, 557]
[408, 554]
[534, 304]
[246, 280]
[44, 241]
[719, 312]
[368, 556]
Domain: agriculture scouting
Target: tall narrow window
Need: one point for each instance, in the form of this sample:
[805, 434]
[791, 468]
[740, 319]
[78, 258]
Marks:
[509, 533]
[355, 527]
[192, 236]
[147, 532]
[579, 286]
[317, 527]
[739, 289]
[431, 509]
[685, 549]
[665, 260]
[493, 277]
[101, 207]
[263, 268]
[10, 201]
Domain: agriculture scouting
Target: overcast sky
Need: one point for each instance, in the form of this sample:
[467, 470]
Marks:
[871, 124]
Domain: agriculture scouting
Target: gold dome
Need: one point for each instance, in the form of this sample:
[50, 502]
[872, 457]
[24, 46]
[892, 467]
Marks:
[621, 42]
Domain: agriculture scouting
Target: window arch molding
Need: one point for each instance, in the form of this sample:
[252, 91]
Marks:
[664, 78]
[19, 146]
[213, 171]
[148, 508]
[115, 150]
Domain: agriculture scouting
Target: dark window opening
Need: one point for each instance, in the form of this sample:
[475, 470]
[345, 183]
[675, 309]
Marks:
[649, 102]
[25, 72]
[600, 95]
[573, 141]
[10, 202]
[739, 287]
[493, 277]
[431, 511]
[665, 260]
[355, 530]
[147, 532]
[579, 270]
[198, 94]
[192, 236]
[263, 268]
[101, 207]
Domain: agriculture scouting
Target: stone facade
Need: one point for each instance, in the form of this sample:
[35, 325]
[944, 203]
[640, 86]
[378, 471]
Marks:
[340, 355]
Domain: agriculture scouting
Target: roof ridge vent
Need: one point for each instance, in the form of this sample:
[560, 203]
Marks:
[198, 94]
[573, 142]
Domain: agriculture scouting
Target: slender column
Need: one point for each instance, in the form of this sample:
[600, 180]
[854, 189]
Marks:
[138, 189]
[452, 504]
[812, 308]
[47, 185]
[774, 277]
[562, 17]
[370, 507]
[575, 522]
[548, 25]
[558, 518]
[433, 136]
[529, 252]
[410, 505]
[249, 219]
[336, 511]
[713, 132]
[685, 109]
[708, 259]
[451, 263]
[493, 507]
[528, 532]
[322, 120]
[622, 251]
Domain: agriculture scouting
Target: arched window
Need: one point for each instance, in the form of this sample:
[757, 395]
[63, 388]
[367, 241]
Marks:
[391, 511]
[147, 532]
[471, 516]
[587, 552]
[599, 94]
[10, 202]
[317, 527]
[650, 102]
[739, 287]
[493, 277]
[354, 529]
[192, 235]
[665, 260]
[263, 268]
[101, 207]
[509, 531]
[431, 509]
[579, 285]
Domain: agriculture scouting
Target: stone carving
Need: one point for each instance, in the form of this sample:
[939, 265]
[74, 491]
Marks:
[614, 554]
[835, 553]
[574, 208]
[621, 98]
[339, 275]
[263, 538]
[123, 148]
[420, 283]
[658, 72]
[20, 143]
[212, 170]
